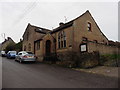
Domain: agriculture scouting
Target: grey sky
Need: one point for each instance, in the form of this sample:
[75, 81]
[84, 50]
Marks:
[16, 15]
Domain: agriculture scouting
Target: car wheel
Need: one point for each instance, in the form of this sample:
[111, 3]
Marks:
[20, 61]
[15, 59]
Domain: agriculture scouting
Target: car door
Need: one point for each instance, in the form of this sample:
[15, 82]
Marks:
[8, 55]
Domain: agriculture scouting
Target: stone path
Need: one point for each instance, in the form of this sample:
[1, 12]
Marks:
[104, 70]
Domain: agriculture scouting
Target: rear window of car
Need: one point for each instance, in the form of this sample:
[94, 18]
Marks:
[13, 52]
[3, 52]
[29, 52]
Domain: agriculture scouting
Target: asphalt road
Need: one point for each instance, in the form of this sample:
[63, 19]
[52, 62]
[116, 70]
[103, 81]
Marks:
[0, 73]
[39, 75]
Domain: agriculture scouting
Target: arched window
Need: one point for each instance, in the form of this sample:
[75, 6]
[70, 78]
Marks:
[61, 39]
[29, 47]
[64, 39]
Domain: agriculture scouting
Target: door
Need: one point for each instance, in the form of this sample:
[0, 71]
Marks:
[48, 47]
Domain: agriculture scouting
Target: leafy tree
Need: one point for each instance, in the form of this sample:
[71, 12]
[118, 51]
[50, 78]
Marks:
[18, 46]
[14, 47]
[10, 47]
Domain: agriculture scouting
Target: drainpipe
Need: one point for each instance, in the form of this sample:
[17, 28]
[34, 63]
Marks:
[55, 46]
[34, 47]
[72, 39]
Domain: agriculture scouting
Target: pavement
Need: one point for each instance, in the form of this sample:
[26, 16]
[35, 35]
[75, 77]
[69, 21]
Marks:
[102, 70]
[40, 75]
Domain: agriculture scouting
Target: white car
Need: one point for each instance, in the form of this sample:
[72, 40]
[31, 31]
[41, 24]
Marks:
[25, 56]
[3, 54]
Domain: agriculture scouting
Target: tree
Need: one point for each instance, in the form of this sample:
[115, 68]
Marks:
[18, 46]
[14, 47]
[10, 47]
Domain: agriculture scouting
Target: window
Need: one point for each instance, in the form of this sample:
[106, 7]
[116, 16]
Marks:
[19, 53]
[29, 47]
[38, 45]
[89, 26]
[62, 40]
[29, 52]
[58, 41]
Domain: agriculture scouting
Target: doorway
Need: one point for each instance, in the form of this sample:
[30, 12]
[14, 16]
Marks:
[48, 47]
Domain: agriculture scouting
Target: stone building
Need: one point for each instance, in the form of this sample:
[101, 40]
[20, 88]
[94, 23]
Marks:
[31, 34]
[6, 43]
[79, 35]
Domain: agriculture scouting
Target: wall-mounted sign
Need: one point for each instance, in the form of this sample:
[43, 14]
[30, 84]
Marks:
[83, 47]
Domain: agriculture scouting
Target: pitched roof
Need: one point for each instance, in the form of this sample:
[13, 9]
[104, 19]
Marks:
[6, 40]
[63, 26]
[38, 29]
[42, 30]
[70, 23]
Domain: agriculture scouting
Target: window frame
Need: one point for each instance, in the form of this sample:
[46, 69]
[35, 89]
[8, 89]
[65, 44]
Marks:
[38, 45]
[62, 40]
[89, 26]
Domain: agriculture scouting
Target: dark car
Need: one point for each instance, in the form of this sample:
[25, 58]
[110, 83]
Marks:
[11, 54]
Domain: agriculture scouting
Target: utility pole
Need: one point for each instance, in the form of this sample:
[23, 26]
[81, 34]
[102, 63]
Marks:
[3, 35]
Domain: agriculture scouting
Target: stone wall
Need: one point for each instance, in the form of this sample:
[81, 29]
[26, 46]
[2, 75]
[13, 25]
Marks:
[102, 49]
[77, 59]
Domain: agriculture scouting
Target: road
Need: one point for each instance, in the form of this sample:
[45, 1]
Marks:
[0, 73]
[39, 75]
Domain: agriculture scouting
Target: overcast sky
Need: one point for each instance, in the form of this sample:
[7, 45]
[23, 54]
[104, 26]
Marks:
[15, 16]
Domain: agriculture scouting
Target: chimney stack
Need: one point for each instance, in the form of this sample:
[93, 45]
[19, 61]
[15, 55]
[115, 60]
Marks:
[61, 23]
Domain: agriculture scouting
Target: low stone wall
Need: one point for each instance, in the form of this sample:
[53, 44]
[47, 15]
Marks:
[76, 59]
[102, 49]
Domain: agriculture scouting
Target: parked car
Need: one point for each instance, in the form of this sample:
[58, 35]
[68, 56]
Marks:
[3, 54]
[25, 56]
[11, 54]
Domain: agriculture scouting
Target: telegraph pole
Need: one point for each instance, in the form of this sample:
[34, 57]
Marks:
[3, 35]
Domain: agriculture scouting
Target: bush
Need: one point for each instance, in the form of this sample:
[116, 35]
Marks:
[85, 60]
[110, 60]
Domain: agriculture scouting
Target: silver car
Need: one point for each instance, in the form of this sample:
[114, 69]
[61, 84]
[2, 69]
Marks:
[25, 56]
